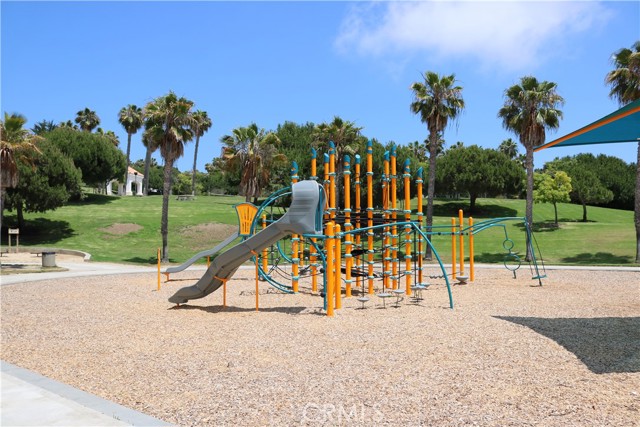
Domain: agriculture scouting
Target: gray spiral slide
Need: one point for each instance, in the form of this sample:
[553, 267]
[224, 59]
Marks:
[300, 218]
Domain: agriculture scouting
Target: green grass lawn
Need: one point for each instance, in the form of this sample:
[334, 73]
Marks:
[608, 238]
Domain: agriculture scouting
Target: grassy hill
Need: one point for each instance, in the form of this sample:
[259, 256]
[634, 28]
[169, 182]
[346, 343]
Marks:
[127, 229]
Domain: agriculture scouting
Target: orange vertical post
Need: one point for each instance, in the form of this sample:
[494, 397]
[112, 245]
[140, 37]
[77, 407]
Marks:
[370, 216]
[453, 247]
[420, 214]
[358, 212]
[386, 240]
[394, 218]
[295, 241]
[337, 282]
[327, 185]
[461, 239]
[330, 275]
[407, 228]
[332, 180]
[265, 254]
[313, 259]
[348, 238]
[471, 251]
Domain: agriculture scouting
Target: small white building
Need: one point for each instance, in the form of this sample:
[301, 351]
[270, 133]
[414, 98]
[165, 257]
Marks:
[134, 178]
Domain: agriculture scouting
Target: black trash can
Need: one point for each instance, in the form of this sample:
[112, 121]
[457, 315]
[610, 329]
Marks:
[48, 259]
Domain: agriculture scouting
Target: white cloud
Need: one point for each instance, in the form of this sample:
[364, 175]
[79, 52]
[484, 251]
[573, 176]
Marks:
[509, 35]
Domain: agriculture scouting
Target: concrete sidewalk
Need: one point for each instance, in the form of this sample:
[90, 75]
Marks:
[29, 399]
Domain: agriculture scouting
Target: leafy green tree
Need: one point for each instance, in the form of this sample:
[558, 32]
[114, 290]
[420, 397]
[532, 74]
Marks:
[110, 135]
[254, 151]
[201, 124]
[552, 187]
[478, 171]
[296, 141]
[221, 177]
[87, 119]
[47, 180]
[130, 117]
[43, 126]
[95, 155]
[437, 100]
[625, 87]
[587, 188]
[169, 122]
[182, 183]
[509, 148]
[531, 107]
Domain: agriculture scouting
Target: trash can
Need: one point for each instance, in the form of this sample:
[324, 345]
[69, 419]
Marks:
[48, 259]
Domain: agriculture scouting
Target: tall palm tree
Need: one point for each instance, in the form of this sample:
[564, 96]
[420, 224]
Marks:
[530, 108]
[169, 122]
[87, 119]
[347, 139]
[130, 117]
[438, 100]
[201, 124]
[151, 145]
[15, 143]
[254, 151]
[509, 148]
[625, 87]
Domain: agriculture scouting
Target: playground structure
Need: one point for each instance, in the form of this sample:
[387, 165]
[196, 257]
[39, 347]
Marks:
[374, 252]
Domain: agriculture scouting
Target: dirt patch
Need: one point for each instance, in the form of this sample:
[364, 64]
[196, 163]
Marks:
[207, 233]
[120, 229]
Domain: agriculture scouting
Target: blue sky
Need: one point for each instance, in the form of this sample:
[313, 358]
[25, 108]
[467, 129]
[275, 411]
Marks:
[271, 62]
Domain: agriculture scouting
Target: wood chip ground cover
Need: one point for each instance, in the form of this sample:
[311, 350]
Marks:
[509, 354]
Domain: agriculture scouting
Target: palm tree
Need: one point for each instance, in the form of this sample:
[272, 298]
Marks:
[347, 139]
[168, 120]
[625, 87]
[509, 148]
[130, 117]
[15, 143]
[254, 151]
[531, 107]
[151, 146]
[87, 119]
[201, 124]
[43, 126]
[437, 100]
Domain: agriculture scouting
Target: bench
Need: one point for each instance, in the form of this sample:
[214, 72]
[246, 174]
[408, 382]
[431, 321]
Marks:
[183, 197]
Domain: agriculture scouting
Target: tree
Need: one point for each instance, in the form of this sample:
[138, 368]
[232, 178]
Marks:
[531, 107]
[254, 151]
[95, 155]
[16, 145]
[110, 135]
[151, 146]
[43, 126]
[438, 100]
[346, 138]
[586, 186]
[130, 117]
[47, 181]
[87, 119]
[169, 122]
[509, 148]
[625, 87]
[552, 187]
[201, 124]
[478, 171]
